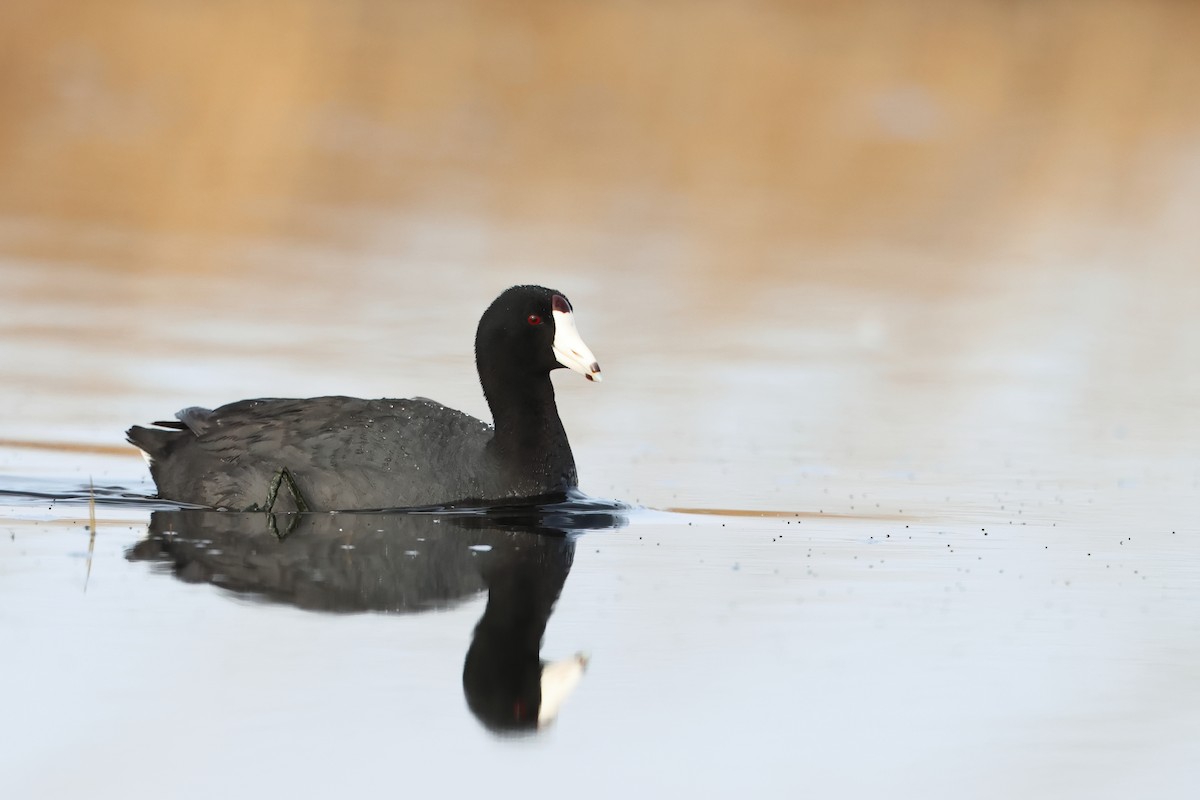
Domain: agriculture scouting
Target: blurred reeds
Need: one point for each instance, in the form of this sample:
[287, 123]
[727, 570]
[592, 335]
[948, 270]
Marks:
[935, 124]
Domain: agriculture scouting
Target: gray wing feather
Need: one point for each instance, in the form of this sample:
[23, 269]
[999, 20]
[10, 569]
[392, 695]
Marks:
[343, 453]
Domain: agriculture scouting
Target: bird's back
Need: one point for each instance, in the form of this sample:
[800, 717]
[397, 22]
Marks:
[338, 452]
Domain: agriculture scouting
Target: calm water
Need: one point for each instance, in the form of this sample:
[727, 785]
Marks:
[896, 310]
[911, 542]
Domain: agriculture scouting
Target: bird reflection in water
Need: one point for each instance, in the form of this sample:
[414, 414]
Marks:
[408, 563]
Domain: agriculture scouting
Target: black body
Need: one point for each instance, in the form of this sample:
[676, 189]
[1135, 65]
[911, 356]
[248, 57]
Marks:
[346, 453]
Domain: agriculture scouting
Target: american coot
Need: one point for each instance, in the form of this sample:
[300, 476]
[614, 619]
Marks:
[330, 453]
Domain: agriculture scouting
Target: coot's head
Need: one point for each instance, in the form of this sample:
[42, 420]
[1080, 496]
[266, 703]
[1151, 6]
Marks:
[531, 330]
[512, 695]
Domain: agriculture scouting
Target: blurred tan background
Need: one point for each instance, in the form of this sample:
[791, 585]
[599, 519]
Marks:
[744, 128]
[804, 238]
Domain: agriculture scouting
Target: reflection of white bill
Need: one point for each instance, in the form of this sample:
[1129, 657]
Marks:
[559, 679]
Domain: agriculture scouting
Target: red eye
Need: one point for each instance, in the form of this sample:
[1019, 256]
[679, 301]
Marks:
[534, 319]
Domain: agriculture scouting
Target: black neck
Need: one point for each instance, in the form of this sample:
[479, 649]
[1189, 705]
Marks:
[529, 433]
[503, 664]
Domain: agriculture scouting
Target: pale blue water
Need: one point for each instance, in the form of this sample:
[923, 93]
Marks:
[978, 574]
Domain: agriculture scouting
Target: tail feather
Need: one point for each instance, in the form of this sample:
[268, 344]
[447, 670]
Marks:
[155, 443]
[158, 443]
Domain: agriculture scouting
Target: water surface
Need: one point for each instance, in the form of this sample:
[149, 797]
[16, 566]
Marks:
[889, 565]
[897, 314]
